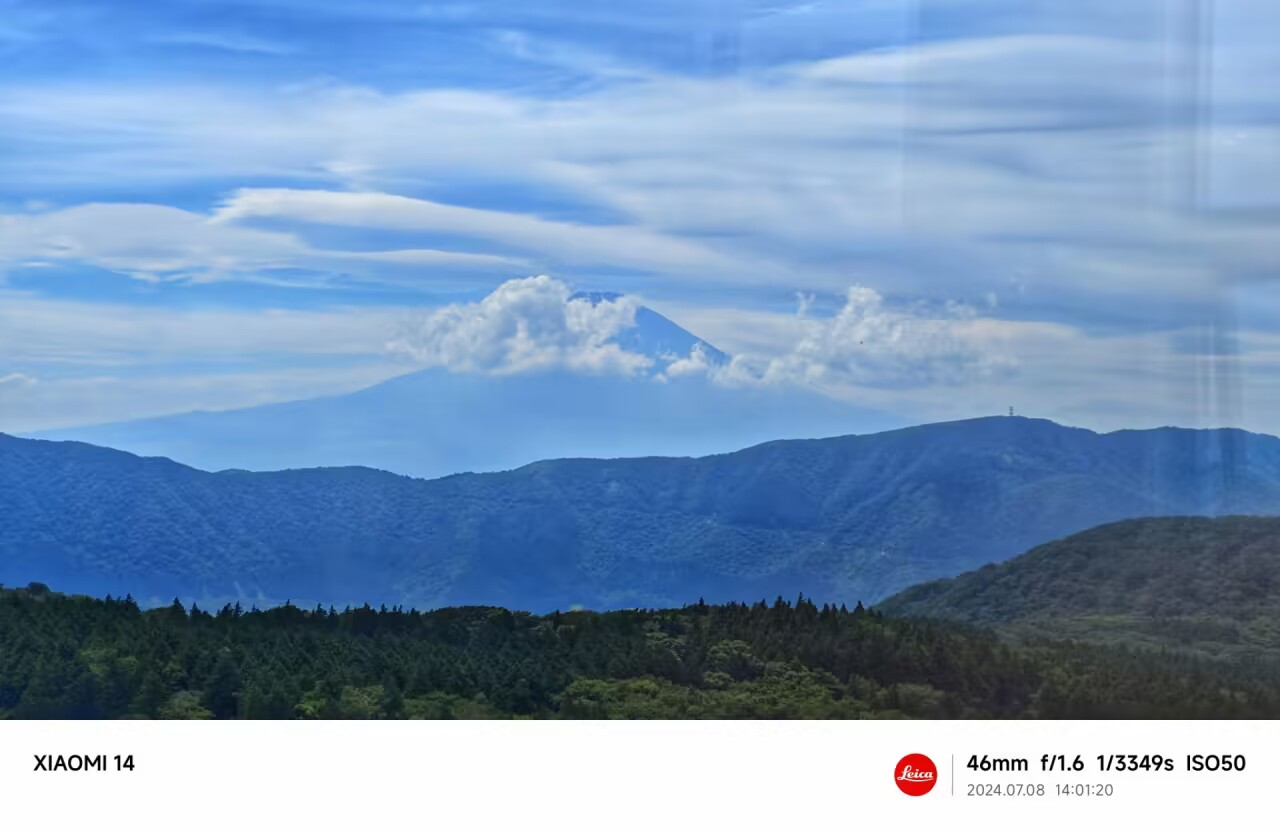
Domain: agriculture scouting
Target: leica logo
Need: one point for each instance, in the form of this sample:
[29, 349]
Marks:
[908, 774]
[916, 774]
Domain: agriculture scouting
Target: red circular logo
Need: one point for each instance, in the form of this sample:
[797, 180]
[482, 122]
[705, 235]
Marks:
[915, 774]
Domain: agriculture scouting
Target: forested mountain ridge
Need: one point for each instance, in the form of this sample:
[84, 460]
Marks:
[839, 519]
[1200, 584]
[76, 657]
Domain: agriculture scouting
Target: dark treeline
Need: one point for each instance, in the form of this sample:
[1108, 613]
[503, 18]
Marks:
[78, 657]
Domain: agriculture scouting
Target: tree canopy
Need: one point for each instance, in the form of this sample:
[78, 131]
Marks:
[76, 657]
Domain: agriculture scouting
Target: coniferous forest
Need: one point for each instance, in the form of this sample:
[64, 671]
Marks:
[67, 656]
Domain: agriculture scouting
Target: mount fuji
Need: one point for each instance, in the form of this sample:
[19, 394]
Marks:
[435, 422]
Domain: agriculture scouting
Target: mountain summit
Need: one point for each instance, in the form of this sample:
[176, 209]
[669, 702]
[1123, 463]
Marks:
[655, 336]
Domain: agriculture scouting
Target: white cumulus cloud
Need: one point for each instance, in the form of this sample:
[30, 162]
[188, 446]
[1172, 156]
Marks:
[525, 325]
[869, 343]
[697, 362]
[536, 324]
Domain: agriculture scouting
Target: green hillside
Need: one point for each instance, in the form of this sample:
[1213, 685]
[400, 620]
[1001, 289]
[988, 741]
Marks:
[1207, 585]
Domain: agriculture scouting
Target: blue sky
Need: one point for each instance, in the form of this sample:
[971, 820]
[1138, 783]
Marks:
[936, 209]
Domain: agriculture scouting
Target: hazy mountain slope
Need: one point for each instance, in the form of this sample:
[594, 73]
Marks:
[1210, 584]
[843, 519]
[436, 422]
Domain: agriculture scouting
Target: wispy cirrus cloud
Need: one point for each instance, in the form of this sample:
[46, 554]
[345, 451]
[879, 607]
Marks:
[17, 379]
[226, 41]
[60, 335]
[156, 243]
[993, 161]
[566, 242]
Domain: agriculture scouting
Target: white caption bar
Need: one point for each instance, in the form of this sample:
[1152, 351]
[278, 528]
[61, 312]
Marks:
[632, 775]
